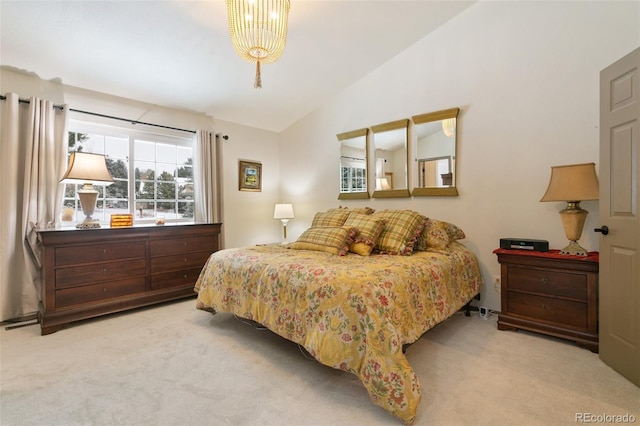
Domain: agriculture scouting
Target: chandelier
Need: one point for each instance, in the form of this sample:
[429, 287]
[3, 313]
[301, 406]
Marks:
[258, 30]
[449, 126]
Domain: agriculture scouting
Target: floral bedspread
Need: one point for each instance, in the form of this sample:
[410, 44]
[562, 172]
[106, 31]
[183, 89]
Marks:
[352, 312]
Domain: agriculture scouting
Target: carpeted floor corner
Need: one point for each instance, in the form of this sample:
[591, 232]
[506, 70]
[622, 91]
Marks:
[174, 365]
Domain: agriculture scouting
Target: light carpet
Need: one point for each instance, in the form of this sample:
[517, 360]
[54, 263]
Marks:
[174, 365]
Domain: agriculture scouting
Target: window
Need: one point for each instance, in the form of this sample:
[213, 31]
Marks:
[153, 174]
[354, 179]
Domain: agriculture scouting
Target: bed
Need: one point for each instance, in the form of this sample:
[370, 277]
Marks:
[350, 311]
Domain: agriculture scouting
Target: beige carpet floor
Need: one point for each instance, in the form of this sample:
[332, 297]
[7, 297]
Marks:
[175, 365]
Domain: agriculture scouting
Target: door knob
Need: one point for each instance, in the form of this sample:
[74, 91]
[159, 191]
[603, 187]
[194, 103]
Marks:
[604, 230]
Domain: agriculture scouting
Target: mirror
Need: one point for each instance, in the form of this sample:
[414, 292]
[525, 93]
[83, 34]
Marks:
[390, 159]
[436, 153]
[353, 164]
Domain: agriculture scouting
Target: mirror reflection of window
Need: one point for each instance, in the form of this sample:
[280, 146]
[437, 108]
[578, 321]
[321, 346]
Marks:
[436, 140]
[353, 164]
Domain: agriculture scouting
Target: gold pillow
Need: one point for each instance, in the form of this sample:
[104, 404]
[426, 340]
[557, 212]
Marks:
[334, 240]
[368, 229]
[401, 229]
[437, 235]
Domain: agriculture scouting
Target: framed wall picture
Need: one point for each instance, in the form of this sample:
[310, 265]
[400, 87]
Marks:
[250, 178]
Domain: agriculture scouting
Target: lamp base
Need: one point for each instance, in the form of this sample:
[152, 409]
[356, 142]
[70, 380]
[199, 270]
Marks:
[88, 224]
[574, 249]
[88, 197]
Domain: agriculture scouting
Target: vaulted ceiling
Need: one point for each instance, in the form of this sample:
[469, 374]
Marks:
[178, 53]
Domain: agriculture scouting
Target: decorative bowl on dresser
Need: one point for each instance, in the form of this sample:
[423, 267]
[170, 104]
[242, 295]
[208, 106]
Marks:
[93, 272]
[550, 293]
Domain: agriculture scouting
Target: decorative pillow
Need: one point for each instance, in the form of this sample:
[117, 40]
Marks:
[330, 218]
[401, 229]
[453, 231]
[434, 235]
[363, 210]
[437, 235]
[334, 240]
[368, 229]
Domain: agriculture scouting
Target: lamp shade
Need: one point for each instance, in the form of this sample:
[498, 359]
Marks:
[382, 184]
[86, 168]
[283, 211]
[575, 182]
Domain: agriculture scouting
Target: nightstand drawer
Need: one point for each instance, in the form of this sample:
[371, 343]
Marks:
[562, 284]
[559, 311]
[99, 272]
[179, 262]
[98, 292]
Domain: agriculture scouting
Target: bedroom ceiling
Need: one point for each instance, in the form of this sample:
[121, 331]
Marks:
[178, 53]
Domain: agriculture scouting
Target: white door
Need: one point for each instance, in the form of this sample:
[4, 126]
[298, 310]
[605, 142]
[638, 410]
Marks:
[619, 211]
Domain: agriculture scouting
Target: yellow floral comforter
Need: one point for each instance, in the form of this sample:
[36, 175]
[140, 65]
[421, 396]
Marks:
[352, 312]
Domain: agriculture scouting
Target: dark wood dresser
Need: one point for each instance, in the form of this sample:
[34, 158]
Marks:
[550, 293]
[92, 272]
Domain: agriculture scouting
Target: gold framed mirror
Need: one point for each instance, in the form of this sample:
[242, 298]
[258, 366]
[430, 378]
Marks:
[354, 149]
[391, 159]
[436, 145]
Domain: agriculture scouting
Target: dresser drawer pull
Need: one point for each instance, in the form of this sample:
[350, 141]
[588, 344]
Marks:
[186, 243]
[104, 290]
[544, 306]
[545, 280]
[186, 275]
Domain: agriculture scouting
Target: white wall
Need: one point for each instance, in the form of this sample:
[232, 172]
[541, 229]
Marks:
[526, 77]
[248, 216]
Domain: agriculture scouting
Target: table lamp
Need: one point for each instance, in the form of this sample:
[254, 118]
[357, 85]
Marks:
[284, 212]
[87, 170]
[573, 183]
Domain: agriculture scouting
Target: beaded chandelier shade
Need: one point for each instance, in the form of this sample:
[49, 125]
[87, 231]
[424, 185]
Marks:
[449, 126]
[258, 30]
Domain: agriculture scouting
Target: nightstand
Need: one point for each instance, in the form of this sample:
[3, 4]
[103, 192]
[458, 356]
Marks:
[550, 293]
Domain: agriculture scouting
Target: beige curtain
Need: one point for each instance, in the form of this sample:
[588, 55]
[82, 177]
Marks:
[33, 147]
[208, 180]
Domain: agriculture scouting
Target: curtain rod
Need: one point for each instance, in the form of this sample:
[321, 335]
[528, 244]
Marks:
[27, 101]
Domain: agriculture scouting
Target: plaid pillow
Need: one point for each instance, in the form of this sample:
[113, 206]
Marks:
[334, 240]
[368, 229]
[330, 218]
[401, 229]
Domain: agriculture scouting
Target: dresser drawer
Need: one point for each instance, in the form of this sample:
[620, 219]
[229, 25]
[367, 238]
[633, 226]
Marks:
[183, 278]
[559, 311]
[563, 284]
[179, 262]
[99, 272]
[170, 246]
[99, 292]
[77, 255]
